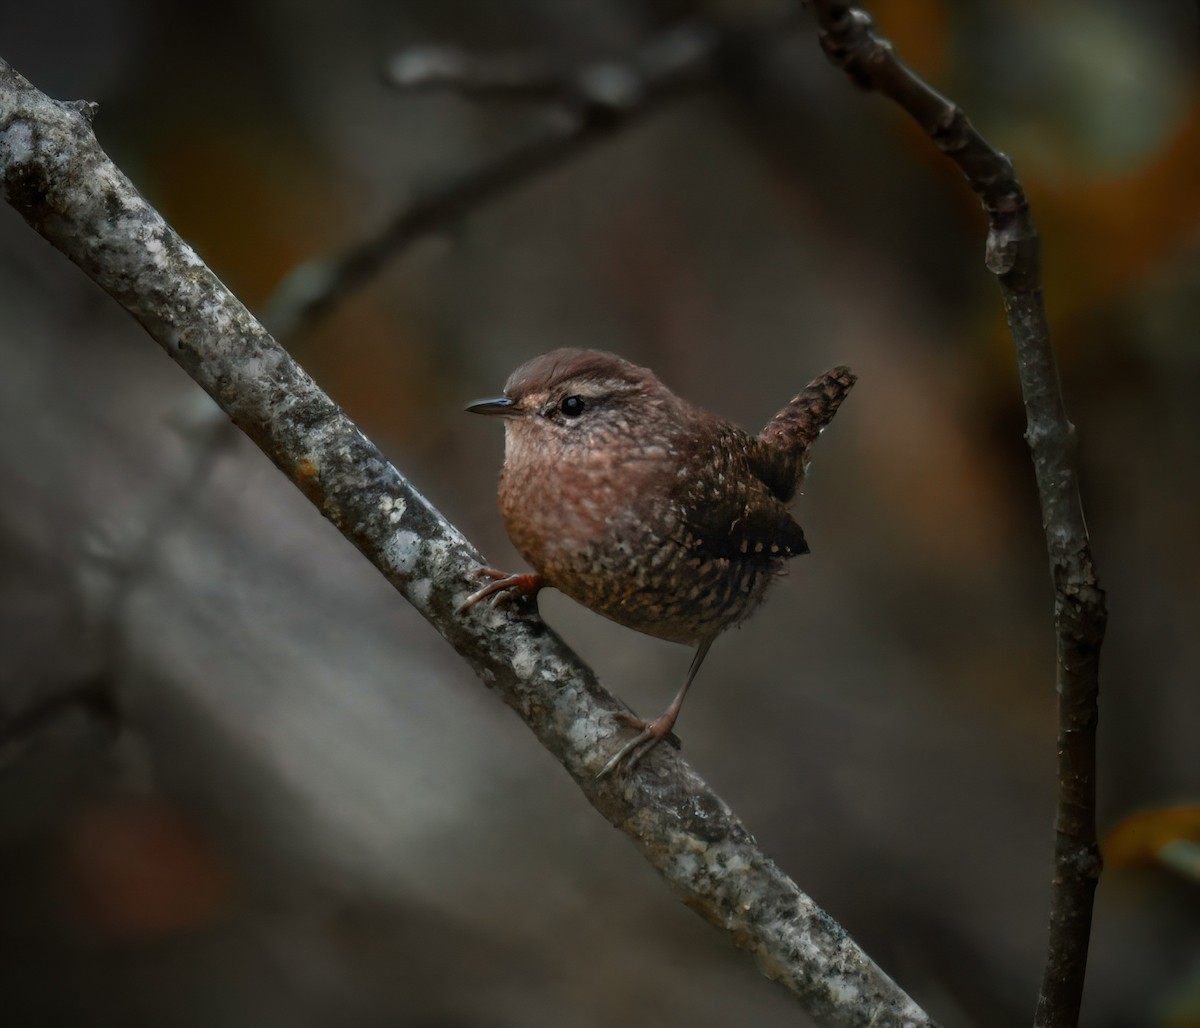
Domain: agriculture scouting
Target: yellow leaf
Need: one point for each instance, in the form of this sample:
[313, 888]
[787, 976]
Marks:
[1169, 836]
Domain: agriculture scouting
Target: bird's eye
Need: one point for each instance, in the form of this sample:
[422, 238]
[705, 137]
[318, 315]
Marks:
[572, 406]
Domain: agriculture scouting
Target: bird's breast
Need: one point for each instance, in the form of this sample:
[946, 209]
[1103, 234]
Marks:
[612, 535]
[554, 511]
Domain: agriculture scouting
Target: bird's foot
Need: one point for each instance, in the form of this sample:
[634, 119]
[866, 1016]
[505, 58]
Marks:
[650, 734]
[526, 586]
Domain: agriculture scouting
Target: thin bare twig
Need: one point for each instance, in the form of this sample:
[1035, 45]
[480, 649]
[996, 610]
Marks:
[93, 696]
[588, 105]
[1013, 255]
[54, 173]
[583, 106]
[438, 67]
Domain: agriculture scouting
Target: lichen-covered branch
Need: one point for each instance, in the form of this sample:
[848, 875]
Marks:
[1013, 254]
[55, 174]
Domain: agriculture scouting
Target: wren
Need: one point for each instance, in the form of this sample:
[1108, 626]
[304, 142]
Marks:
[663, 517]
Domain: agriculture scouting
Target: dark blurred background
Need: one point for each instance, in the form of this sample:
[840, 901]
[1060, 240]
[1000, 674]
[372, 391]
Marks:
[242, 783]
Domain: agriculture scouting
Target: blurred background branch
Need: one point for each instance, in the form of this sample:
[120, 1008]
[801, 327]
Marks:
[580, 107]
[1014, 257]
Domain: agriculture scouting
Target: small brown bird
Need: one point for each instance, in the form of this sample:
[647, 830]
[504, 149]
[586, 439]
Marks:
[652, 512]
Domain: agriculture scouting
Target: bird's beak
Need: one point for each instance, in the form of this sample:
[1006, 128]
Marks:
[501, 405]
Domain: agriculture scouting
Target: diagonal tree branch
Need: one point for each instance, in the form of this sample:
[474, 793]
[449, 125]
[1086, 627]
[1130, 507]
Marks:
[1013, 255]
[54, 173]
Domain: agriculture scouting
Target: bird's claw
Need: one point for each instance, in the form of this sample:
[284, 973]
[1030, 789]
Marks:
[650, 734]
[525, 585]
[640, 724]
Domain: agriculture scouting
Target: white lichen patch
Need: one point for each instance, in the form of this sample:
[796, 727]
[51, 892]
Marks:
[392, 508]
[691, 859]
[523, 662]
[687, 867]
[845, 991]
[443, 558]
[402, 552]
[581, 733]
[810, 951]
[154, 249]
[16, 143]
[419, 592]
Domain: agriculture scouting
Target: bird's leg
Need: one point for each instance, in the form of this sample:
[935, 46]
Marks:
[651, 733]
[526, 585]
